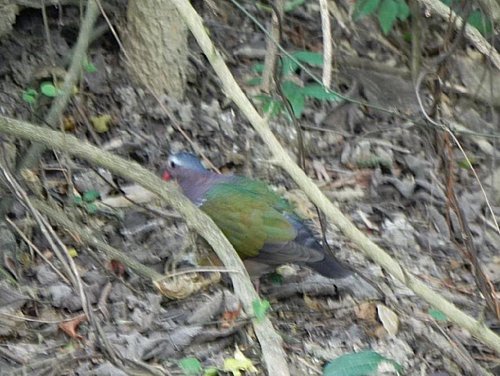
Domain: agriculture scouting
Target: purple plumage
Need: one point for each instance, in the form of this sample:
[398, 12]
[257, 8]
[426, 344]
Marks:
[262, 226]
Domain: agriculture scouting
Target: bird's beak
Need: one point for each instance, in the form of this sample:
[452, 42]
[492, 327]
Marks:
[166, 176]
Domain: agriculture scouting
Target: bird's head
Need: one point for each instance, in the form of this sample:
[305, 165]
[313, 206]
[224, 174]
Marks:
[181, 164]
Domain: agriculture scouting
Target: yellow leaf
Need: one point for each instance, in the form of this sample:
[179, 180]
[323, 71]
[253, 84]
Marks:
[72, 252]
[101, 123]
[239, 363]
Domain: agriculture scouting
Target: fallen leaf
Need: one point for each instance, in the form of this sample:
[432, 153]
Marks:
[70, 327]
[389, 319]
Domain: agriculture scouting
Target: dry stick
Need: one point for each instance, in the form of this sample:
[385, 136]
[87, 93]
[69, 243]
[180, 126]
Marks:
[327, 43]
[231, 88]
[271, 57]
[270, 342]
[59, 216]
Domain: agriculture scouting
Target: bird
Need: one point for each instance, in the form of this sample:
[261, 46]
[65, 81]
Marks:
[262, 226]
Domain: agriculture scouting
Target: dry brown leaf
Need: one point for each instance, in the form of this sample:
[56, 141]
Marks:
[366, 311]
[70, 327]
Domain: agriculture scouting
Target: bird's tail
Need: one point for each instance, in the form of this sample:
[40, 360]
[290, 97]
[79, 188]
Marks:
[330, 267]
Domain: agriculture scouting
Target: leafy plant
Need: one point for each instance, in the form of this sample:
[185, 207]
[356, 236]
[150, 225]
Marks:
[363, 363]
[387, 11]
[295, 93]
[190, 366]
[87, 201]
[260, 308]
[30, 96]
[476, 18]
[49, 89]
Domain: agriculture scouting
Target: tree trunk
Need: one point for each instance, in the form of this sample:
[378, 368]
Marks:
[156, 46]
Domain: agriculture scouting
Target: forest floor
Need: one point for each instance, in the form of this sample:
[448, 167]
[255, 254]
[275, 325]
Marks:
[388, 171]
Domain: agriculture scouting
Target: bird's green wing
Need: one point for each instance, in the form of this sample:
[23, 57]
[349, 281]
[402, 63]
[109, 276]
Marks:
[249, 214]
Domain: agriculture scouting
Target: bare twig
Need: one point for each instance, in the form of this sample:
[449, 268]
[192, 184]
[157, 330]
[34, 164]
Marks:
[327, 43]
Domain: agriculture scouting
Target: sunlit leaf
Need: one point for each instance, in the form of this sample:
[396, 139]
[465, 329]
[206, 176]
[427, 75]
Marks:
[30, 96]
[190, 366]
[260, 308]
[48, 89]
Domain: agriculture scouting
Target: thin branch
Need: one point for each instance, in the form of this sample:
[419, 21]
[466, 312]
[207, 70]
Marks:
[327, 43]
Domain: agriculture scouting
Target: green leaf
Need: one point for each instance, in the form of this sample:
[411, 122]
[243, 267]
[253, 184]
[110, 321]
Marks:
[90, 208]
[89, 67]
[403, 10]
[363, 8]
[91, 196]
[254, 81]
[77, 200]
[437, 315]
[387, 14]
[363, 363]
[258, 68]
[260, 308]
[270, 105]
[190, 366]
[319, 92]
[480, 22]
[30, 96]
[48, 89]
[309, 57]
[288, 66]
[211, 371]
[293, 93]
[292, 5]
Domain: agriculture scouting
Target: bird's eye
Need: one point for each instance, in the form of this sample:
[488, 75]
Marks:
[172, 164]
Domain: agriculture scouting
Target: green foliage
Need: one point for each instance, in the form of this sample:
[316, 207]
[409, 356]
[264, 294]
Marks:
[437, 315]
[293, 92]
[288, 6]
[291, 5]
[30, 96]
[362, 363]
[476, 18]
[49, 90]
[260, 308]
[289, 63]
[87, 201]
[364, 8]
[387, 11]
[190, 366]
[88, 66]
